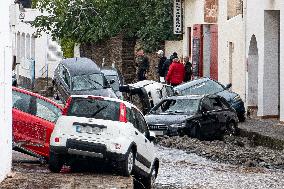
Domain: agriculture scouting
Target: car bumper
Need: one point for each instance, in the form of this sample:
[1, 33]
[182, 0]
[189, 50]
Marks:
[170, 131]
[86, 149]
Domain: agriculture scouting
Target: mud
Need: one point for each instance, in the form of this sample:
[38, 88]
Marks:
[233, 150]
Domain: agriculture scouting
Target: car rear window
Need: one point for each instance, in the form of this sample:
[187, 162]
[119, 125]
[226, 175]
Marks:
[207, 87]
[94, 108]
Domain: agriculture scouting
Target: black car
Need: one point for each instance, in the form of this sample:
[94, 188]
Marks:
[206, 85]
[199, 116]
[115, 79]
[80, 76]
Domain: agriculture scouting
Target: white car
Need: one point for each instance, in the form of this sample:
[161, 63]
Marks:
[102, 128]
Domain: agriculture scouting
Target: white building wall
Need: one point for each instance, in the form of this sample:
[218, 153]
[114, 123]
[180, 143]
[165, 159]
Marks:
[28, 45]
[193, 14]
[231, 31]
[5, 91]
[173, 46]
[281, 61]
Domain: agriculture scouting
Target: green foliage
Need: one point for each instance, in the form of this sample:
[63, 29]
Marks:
[67, 46]
[84, 21]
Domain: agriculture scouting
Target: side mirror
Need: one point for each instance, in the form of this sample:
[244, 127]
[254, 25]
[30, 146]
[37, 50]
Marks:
[228, 86]
[124, 88]
[112, 81]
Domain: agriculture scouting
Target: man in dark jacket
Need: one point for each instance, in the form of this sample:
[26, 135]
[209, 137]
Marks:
[188, 69]
[168, 62]
[176, 73]
[162, 59]
[142, 62]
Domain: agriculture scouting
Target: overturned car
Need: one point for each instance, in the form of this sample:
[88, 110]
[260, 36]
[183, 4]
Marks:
[146, 94]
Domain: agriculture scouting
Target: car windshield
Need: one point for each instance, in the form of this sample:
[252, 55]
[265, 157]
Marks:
[172, 106]
[87, 82]
[94, 108]
[115, 85]
[207, 87]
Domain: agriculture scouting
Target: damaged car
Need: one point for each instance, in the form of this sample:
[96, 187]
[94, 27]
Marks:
[34, 117]
[106, 130]
[206, 85]
[202, 117]
[114, 78]
[80, 76]
[146, 94]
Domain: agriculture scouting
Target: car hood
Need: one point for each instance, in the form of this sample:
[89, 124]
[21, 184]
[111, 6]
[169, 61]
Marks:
[166, 119]
[108, 92]
[228, 95]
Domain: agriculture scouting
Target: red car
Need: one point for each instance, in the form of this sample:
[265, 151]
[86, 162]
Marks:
[34, 117]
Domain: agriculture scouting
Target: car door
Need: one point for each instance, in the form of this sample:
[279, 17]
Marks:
[209, 118]
[142, 142]
[219, 112]
[32, 125]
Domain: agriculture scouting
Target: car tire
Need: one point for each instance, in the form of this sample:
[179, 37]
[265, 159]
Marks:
[149, 182]
[195, 131]
[242, 117]
[231, 129]
[126, 166]
[55, 163]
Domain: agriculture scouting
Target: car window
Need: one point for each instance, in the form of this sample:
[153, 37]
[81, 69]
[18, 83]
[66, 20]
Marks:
[177, 106]
[206, 87]
[94, 108]
[130, 116]
[141, 125]
[224, 102]
[207, 105]
[21, 101]
[217, 105]
[66, 76]
[87, 82]
[47, 111]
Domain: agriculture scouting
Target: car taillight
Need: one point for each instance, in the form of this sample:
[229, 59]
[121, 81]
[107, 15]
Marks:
[65, 110]
[56, 139]
[122, 113]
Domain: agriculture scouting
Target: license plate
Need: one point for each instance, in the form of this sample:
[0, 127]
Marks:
[88, 129]
[159, 133]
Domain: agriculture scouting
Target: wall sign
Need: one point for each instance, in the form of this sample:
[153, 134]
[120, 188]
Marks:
[211, 11]
[177, 17]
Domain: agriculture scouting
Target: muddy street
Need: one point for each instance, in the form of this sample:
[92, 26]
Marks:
[197, 164]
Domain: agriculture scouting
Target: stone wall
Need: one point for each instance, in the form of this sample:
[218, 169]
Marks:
[121, 51]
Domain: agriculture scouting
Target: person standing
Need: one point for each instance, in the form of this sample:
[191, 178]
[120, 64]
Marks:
[176, 73]
[188, 69]
[162, 60]
[168, 62]
[142, 63]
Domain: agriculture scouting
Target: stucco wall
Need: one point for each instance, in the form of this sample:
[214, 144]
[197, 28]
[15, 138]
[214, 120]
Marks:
[281, 62]
[173, 46]
[231, 30]
[5, 91]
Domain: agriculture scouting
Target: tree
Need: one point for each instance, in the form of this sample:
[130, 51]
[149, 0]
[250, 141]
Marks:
[84, 21]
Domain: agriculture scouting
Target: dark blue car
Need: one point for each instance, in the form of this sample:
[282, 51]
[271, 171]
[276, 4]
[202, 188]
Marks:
[208, 86]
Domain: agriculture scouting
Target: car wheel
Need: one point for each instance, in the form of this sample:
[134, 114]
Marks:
[55, 163]
[231, 129]
[195, 131]
[146, 182]
[242, 117]
[127, 165]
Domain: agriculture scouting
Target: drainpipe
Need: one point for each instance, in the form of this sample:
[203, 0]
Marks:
[244, 9]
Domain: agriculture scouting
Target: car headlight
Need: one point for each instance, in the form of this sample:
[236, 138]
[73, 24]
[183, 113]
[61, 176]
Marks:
[237, 98]
[178, 125]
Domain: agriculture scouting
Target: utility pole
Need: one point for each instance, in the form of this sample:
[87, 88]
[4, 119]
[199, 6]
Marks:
[5, 90]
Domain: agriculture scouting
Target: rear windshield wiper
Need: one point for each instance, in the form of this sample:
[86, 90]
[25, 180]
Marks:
[98, 111]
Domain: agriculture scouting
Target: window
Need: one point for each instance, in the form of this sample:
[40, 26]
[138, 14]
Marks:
[21, 101]
[65, 75]
[130, 116]
[47, 111]
[207, 105]
[94, 108]
[87, 82]
[217, 105]
[177, 106]
[140, 122]
[207, 87]
[224, 102]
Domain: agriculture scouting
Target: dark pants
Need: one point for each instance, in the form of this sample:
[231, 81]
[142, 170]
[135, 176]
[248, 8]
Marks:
[141, 75]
